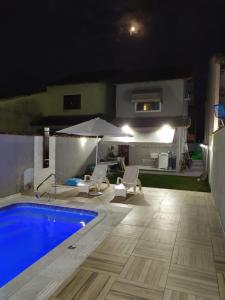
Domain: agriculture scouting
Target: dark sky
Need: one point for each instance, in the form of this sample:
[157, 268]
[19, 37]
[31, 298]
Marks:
[42, 41]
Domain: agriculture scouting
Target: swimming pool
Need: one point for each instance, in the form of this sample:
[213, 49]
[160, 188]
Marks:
[28, 231]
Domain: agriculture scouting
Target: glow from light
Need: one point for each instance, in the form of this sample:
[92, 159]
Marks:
[132, 29]
[203, 146]
[126, 129]
[82, 223]
[83, 141]
[166, 133]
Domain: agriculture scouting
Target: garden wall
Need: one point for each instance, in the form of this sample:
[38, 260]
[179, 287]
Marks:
[217, 170]
[73, 154]
[16, 155]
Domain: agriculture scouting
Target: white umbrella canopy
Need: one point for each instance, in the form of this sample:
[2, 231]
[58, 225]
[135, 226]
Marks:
[95, 127]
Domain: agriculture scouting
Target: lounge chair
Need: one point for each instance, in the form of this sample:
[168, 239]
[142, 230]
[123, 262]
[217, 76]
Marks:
[95, 180]
[130, 180]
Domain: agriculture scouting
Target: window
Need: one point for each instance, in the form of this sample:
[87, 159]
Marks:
[147, 100]
[148, 106]
[72, 102]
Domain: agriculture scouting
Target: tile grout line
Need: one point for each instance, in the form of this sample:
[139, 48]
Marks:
[211, 237]
[171, 259]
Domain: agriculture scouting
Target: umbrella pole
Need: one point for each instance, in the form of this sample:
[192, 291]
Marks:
[96, 153]
[97, 193]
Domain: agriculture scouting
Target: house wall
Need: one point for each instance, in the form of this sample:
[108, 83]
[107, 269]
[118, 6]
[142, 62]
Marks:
[17, 154]
[95, 98]
[217, 171]
[173, 99]
[140, 153]
[73, 154]
[146, 141]
[17, 113]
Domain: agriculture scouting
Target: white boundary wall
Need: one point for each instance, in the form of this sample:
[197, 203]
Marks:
[217, 171]
[16, 155]
[73, 154]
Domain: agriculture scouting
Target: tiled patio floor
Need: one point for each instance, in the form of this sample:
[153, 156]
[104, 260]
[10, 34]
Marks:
[170, 246]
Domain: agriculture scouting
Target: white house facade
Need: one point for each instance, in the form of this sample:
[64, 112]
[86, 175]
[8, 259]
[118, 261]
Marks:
[156, 114]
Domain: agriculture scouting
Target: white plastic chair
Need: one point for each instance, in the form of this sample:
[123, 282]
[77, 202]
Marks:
[130, 180]
[95, 180]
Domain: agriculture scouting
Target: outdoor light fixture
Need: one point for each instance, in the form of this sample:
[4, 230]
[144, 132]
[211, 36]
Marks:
[126, 128]
[83, 141]
[166, 133]
[203, 146]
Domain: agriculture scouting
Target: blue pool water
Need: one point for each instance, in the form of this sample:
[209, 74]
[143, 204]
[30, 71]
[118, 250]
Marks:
[28, 231]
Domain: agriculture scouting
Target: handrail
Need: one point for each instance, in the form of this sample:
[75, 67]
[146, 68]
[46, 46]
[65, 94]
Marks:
[49, 176]
[52, 174]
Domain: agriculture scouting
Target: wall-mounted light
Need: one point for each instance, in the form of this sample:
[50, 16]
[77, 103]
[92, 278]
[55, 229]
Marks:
[203, 146]
[83, 141]
[166, 133]
[126, 129]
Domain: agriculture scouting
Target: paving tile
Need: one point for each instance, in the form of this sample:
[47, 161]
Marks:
[117, 246]
[153, 250]
[191, 281]
[125, 291]
[218, 246]
[215, 229]
[170, 208]
[165, 221]
[199, 258]
[196, 215]
[194, 232]
[147, 272]
[176, 295]
[85, 285]
[128, 231]
[193, 200]
[158, 235]
[219, 263]
[112, 264]
[221, 283]
[171, 241]
[138, 218]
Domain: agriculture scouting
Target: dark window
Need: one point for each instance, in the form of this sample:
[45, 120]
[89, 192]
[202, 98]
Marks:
[72, 102]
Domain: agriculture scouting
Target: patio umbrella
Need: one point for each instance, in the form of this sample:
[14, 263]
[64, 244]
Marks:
[96, 127]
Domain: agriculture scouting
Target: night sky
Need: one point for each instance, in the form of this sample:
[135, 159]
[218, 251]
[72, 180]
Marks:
[43, 41]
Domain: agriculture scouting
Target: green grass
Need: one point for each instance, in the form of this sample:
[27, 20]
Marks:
[170, 182]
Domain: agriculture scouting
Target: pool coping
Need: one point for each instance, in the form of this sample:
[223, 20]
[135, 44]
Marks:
[28, 274]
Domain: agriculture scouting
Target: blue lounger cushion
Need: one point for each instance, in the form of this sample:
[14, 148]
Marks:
[72, 181]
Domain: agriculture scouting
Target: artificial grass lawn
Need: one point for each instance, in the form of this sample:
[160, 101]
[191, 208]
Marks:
[170, 182]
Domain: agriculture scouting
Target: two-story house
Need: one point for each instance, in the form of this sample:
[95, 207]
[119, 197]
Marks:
[60, 105]
[156, 114]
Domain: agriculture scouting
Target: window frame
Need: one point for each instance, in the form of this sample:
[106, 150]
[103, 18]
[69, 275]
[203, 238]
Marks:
[147, 111]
